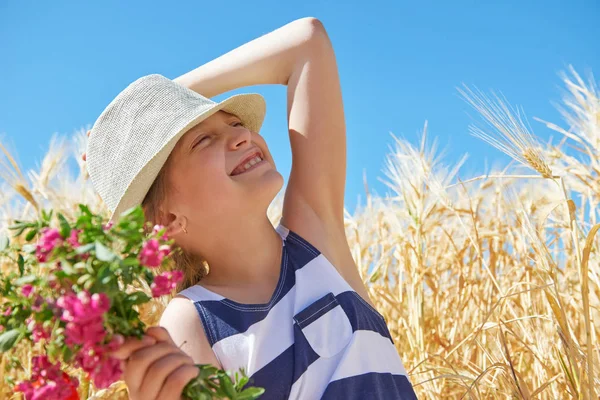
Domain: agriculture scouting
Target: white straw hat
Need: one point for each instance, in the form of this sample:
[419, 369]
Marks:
[134, 135]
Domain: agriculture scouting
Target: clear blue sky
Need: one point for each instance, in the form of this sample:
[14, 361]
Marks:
[61, 62]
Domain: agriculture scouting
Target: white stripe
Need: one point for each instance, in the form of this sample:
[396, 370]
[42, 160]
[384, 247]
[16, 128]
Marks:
[382, 358]
[317, 278]
[263, 341]
[282, 230]
[313, 382]
[199, 293]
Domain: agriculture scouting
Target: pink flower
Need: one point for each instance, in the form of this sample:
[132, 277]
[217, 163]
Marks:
[37, 329]
[158, 228]
[165, 282]
[38, 302]
[73, 239]
[108, 226]
[48, 382]
[50, 239]
[83, 307]
[7, 312]
[1, 328]
[107, 372]
[152, 254]
[26, 290]
[102, 368]
[84, 315]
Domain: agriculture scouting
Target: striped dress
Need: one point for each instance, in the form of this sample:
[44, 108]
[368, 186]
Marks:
[315, 339]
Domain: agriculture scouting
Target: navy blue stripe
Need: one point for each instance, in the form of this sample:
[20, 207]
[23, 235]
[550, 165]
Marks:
[301, 251]
[372, 386]
[316, 310]
[278, 376]
[362, 317]
[304, 355]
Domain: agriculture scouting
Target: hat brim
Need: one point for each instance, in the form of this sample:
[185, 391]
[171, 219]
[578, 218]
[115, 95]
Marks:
[249, 108]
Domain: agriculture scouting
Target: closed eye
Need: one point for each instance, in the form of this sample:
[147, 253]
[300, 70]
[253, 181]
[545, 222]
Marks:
[200, 140]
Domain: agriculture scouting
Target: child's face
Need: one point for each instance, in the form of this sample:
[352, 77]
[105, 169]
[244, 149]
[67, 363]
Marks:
[207, 189]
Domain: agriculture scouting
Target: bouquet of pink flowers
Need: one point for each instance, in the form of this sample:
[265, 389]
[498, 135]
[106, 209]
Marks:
[74, 290]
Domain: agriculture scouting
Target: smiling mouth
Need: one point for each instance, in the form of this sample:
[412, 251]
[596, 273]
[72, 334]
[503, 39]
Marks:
[249, 165]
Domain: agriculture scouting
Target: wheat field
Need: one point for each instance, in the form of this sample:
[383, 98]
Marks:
[490, 285]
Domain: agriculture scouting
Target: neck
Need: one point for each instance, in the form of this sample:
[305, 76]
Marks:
[250, 253]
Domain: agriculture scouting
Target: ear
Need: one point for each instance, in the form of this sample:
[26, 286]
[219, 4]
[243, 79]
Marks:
[176, 225]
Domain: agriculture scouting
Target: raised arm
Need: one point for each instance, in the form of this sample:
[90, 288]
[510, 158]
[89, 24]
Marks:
[300, 56]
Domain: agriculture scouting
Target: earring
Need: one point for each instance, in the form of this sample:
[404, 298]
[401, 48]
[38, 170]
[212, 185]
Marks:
[182, 227]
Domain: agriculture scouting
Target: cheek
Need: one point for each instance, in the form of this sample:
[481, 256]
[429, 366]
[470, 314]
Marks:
[207, 179]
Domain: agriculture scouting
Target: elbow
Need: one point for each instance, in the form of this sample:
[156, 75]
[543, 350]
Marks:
[313, 32]
[314, 25]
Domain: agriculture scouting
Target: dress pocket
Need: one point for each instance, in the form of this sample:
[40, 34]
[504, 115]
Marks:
[325, 326]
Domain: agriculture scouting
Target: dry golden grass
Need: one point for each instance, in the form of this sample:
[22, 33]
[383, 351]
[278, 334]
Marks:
[490, 286]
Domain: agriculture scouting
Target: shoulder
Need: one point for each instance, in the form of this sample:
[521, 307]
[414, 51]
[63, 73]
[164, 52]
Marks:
[183, 323]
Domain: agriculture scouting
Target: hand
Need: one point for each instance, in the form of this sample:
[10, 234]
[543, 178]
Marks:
[154, 367]
[83, 156]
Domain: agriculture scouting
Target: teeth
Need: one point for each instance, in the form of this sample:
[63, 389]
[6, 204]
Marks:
[252, 162]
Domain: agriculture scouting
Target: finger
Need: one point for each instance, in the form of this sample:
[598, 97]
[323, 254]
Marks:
[138, 363]
[159, 371]
[131, 345]
[84, 157]
[160, 334]
[176, 381]
[88, 132]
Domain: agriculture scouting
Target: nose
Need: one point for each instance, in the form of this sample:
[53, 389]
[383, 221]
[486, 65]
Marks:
[239, 136]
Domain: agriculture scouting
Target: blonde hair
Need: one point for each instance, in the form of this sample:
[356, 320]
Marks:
[193, 266]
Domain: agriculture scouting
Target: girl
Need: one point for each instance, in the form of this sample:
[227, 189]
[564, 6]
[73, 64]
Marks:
[286, 304]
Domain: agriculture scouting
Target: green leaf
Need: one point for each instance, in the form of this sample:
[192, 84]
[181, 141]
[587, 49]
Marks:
[85, 210]
[47, 216]
[4, 242]
[19, 229]
[103, 253]
[240, 382]
[21, 264]
[25, 279]
[137, 298]
[104, 275]
[129, 261]
[227, 386]
[67, 353]
[31, 234]
[8, 339]
[250, 394]
[65, 227]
